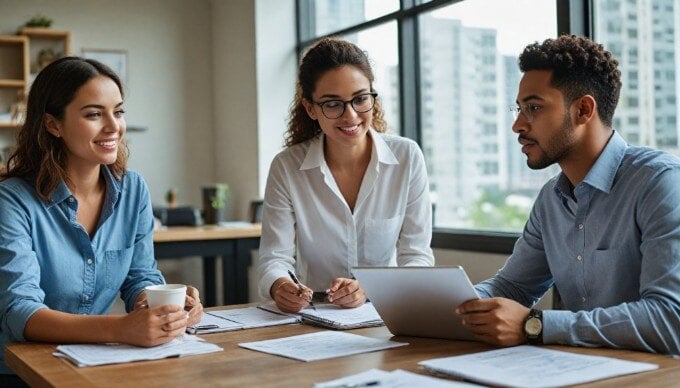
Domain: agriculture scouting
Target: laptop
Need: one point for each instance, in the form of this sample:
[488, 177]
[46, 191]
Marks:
[419, 301]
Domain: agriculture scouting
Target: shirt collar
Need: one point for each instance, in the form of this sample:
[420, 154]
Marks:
[601, 175]
[113, 189]
[315, 155]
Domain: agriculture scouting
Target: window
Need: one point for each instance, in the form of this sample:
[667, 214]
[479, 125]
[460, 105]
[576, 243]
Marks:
[446, 72]
[645, 99]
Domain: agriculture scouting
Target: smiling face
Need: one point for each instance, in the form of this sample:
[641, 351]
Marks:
[93, 124]
[343, 83]
[549, 137]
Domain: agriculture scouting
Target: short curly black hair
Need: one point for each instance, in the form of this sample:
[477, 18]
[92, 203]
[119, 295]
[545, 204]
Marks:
[580, 66]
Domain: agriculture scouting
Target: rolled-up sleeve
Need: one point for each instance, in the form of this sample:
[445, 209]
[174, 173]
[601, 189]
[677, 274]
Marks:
[143, 270]
[20, 292]
[277, 245]
[413, 246]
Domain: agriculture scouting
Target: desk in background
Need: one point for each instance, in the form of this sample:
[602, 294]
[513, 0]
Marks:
[233, 244]
[235, 366]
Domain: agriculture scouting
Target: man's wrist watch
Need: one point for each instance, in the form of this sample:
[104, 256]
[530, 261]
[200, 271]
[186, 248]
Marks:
[533, 327]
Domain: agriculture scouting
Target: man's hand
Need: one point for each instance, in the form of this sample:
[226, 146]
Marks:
[498, 321]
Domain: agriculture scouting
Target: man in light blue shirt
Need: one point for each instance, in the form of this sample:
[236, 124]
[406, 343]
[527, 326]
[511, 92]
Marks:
[605, 231]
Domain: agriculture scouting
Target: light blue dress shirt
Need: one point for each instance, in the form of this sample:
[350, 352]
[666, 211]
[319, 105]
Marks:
[47, 259]
[613, 253]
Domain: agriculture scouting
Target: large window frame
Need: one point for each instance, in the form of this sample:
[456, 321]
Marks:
[573, 17]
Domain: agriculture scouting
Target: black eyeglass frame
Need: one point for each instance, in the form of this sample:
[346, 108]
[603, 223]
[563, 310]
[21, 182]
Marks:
[344, 104]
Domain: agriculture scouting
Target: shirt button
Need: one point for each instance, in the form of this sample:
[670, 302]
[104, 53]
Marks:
[89, 261]
[583, 299]
[579, 258]
[580, 226]
[70, 200]
[87, 297]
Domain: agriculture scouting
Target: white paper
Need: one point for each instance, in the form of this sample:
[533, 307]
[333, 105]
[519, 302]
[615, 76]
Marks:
[394, 379]
[213, 324]
[341, 318]
[236, 319]
[321, 345]
[531, 366]
[251, 317]
[102, 354]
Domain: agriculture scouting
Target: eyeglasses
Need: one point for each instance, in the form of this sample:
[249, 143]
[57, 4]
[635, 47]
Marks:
[527, 111]
[361, 103]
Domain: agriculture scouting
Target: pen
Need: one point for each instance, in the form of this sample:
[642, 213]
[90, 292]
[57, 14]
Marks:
[300, 286]
[196, 329]
[372, 383]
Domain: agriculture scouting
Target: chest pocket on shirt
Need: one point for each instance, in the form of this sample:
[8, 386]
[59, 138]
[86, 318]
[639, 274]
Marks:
[380, 240]
[117, 265]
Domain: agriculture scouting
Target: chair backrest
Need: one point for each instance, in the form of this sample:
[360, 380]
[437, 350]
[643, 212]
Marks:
[256, 207]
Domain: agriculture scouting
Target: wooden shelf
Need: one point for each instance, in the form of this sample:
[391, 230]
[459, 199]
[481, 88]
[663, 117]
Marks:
[10, 126]
[9, 39]
[12, 83]
[48, 33]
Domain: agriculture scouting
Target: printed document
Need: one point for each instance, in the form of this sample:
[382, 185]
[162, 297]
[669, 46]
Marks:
[531, 366]
[395, 379]
[102, 354]
[236, 319]
[321, 345]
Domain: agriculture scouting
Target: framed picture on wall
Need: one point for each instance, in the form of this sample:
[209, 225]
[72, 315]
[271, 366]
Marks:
[115, 59]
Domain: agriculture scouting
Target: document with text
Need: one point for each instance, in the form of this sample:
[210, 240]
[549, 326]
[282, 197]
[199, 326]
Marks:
[236, 319]
[531, 366]
[321, 345]
[395, 379]
[102, 354]
[334, 317]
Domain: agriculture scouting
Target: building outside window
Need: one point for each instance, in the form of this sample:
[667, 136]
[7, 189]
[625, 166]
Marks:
[462, 58]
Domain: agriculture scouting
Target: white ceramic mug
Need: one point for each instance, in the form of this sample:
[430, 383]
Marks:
[163, 294]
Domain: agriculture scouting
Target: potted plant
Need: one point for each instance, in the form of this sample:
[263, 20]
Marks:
[215, 203]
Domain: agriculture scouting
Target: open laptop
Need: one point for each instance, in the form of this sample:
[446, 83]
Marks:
[419, 301]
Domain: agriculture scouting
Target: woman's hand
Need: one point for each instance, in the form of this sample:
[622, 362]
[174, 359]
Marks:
[150, 327]
[346, 293]
[288, 297]
[193, 304]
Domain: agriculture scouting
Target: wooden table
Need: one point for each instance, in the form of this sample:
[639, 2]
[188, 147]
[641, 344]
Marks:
[233, 244]
[236, 366]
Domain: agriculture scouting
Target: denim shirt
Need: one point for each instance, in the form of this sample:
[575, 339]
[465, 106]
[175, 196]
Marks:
[613, 253]
[48, 261]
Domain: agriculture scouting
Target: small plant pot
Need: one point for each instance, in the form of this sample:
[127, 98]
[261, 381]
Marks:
[212, 214]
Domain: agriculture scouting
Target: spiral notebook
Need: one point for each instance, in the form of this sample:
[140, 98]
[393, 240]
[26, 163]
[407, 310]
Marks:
[334, 317]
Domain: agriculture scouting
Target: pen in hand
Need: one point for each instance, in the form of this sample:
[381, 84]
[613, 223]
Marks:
[300, 287]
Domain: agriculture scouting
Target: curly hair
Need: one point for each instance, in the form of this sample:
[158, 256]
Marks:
[327, 54]
[40, 157]
[579, 67]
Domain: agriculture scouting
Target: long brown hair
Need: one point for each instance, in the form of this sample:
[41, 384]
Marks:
[40, 157]
[327, 54]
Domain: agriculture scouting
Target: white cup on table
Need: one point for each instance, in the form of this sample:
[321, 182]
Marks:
[163, 294]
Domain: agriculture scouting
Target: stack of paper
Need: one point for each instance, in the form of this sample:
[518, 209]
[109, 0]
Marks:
[321, 345]
[102, 354]
[335, 317]
[530, 366]
[235, 319]
[396, 378]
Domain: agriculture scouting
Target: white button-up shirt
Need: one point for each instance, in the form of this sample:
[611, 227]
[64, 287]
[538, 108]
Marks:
[308, 228]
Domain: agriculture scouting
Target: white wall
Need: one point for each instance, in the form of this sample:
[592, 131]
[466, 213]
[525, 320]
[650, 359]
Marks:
[169, 78]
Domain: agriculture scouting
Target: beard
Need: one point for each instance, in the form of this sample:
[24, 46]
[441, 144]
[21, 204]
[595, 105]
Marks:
[555, 149]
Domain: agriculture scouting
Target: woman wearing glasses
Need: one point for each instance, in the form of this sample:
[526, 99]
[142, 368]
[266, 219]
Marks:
[343, 193]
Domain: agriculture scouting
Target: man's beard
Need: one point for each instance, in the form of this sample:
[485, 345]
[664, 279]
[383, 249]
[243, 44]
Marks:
[555, 148]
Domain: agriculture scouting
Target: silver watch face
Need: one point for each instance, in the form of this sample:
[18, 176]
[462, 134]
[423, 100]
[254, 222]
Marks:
[533, 326]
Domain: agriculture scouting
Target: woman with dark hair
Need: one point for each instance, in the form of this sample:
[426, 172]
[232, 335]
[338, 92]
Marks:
[76, 227]
[343, 193]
